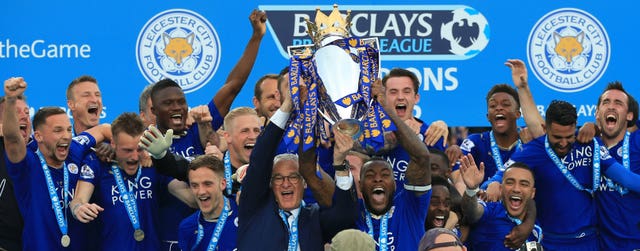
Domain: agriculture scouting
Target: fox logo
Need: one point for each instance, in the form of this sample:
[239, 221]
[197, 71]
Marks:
[179, 52]
[188, 54]
[568, 51]
[568, 47]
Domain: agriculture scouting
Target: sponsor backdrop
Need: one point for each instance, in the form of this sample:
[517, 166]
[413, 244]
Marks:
[457, 48]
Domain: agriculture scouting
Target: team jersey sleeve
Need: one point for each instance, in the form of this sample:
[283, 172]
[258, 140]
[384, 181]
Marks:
[617, 172]
[215, 114]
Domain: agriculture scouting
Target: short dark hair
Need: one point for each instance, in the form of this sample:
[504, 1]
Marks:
[129, 123]
[439, 181]
[161, 85]
[210, 162]
[615, 85]
[506, 89]
[257, 89]
[367, 164]
[43, 113]
[521, 165]
[633, 108]
[440, 153]
[144, 95]
[83, 78]
[561, 112]
[399, 72]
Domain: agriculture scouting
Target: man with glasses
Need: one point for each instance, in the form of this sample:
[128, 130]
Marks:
[277, 219]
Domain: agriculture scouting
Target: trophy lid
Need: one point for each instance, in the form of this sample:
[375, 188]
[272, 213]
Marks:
[329, 26]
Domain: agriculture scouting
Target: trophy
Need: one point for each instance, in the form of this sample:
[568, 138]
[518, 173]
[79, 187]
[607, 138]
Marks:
[338, 71]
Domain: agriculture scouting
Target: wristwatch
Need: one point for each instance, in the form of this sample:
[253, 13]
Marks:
[344, 167]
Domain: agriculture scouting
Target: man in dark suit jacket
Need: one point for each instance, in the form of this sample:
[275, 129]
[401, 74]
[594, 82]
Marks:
[278, 219]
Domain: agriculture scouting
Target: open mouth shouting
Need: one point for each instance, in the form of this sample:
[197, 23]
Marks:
[401, 110]
[611, 120]
[515, 203]
[176, 120]
[93, 110]
[439, 221]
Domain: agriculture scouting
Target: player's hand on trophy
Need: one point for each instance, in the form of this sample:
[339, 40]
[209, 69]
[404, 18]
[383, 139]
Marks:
[14, 87]
[285, 94]
[155, 143]
[258, 20]
[343, 143]
[377, 91]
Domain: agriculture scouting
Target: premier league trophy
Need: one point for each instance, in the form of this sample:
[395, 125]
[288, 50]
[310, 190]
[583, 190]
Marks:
[337, 71]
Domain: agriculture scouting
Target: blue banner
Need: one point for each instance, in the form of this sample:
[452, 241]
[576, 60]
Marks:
[457, 49]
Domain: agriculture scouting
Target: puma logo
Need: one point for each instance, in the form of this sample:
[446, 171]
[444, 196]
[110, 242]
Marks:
[568, 47]
[178, 48]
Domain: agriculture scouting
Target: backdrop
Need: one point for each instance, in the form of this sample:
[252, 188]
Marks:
[457, 48]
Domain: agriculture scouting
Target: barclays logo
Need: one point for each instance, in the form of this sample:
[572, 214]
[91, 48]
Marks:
[404, 32]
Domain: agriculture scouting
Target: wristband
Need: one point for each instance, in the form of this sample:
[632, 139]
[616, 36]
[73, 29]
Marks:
[417, 188]
[73, 209]
[344, 167]
[472, 192]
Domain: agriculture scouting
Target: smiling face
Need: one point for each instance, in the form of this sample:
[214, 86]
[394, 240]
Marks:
[377, 186]
[401, 94]
[269, 101]
[170, 108]
[207, 187]
[439, 207]
[502, 112]
[241, 137]
[612, 113]
[517, 189]
[561, 138]
[54, 138]
[85, 104]
[287, 184]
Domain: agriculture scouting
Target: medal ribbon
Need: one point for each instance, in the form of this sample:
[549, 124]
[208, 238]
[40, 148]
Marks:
[127, 196]
[227, 172]
[625, 162]
[495, 151]
[382, 237]
[61, 219]
[215, 237]
[567, 174]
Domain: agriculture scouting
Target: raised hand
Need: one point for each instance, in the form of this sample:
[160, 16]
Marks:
[518, 72]
[201, 114]
[155, 143]
[471, 175]
[258, 20]
[14, 87]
